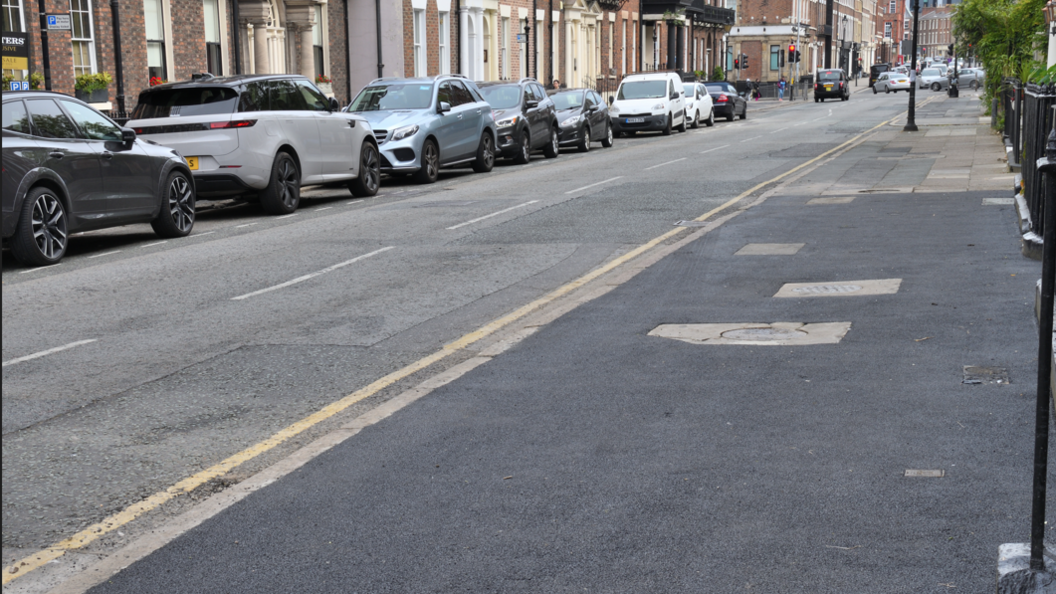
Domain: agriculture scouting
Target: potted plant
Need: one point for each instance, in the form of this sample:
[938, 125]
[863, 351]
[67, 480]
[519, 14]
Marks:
[157, 80]
[92, 88]
[7, 80]
[36, 80]
[325, 85]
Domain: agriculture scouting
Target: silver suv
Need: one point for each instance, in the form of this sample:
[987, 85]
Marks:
[262, 135]
[423, 124]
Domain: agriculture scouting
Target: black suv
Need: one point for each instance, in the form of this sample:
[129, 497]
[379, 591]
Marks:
[525, 118]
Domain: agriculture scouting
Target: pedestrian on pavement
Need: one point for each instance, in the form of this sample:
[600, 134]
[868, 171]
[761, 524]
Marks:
[556, 84]
[781, 89]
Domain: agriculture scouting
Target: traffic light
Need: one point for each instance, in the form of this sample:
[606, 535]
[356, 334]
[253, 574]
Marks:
[796, 57]
[949, 50]
[781, 59]
[736, 64]
[744, 61]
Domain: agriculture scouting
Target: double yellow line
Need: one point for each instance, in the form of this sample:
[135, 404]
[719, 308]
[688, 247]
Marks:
[119, 519]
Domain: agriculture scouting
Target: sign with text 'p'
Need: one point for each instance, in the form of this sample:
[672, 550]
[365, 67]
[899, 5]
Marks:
[15, 51]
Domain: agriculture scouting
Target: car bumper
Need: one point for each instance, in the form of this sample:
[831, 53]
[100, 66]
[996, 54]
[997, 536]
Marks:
[571, 135]
[400, 156]
[724, 109]
[823, 94]
[214, 185]
[648, 123]
[508, 143]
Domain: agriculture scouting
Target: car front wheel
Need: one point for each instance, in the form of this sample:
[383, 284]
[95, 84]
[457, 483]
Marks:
[176, 218]
[935, 86]
[526, 149]
[430, 169]
[584, 145]
[283, 194]
[369, 179]
[40, 238]
[711, 118]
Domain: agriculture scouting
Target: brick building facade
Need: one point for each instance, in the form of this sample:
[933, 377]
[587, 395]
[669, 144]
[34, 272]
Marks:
[174, 39]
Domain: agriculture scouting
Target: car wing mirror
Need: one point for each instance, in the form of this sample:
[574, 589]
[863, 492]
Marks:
[674, 95]
[334, 105]
[531, 104]
[444, 107]
[128, 135]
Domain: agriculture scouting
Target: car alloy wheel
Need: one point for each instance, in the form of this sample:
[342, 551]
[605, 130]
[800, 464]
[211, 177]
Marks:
[607, 143]
[554, 147]
[485, 153]
[584, 145]
[526, 149]
[181, 203]
[430, 169]
[48, 229]
[369, 179]
[935, 86]
[291, 184]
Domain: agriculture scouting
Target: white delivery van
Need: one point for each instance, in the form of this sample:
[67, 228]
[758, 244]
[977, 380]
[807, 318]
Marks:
[653, 101]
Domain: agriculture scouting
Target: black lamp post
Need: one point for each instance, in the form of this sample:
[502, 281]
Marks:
[911, 118]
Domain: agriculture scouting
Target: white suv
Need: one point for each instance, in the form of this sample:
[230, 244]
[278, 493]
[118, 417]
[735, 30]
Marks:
[264, 136]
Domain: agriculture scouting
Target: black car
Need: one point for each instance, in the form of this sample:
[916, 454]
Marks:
[876, 70]
[831, 84]
[525, 118]
[725, 100]
[69, 168]
[582, 117]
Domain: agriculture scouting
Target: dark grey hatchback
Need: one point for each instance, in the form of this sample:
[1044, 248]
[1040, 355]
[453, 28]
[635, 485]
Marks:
[69, 168]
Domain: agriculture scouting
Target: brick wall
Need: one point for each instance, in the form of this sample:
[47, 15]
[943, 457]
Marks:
[338, 49]
[188, 38]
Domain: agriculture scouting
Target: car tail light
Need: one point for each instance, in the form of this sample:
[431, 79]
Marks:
[232, 124]
[722, 99]
[841, 85]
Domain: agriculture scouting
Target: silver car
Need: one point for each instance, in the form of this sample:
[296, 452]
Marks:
[933, 78]
[972, 78]
[423, 124]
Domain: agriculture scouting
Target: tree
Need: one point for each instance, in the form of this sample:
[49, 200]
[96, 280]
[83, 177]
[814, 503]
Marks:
[1004, 34]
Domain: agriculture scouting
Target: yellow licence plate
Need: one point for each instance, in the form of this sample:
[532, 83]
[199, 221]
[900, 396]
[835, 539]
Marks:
[192, 162]
[827, 88]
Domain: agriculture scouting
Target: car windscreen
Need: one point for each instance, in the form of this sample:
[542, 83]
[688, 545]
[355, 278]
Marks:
[930, 72]
[394, 96]
[719, 88]
[502, 96]
[643, 89]
[194, 101]
[829, 75]
[569, 100]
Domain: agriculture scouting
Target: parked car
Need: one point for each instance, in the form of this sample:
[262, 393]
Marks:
[876, 70]
[972, 78]
[423, 124]
[699, 106]
[69, 168]
[652, 101]
[726, 101]
[831, 84]
[525, 118]
[582, 117]
[892, 81]
[264, 136]
[933, 78]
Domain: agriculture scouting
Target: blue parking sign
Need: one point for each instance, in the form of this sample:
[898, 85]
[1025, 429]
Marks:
[20, 85]
[52, 20]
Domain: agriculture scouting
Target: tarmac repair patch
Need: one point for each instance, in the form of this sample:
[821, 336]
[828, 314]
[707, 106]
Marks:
[985, 375]
[776, 334]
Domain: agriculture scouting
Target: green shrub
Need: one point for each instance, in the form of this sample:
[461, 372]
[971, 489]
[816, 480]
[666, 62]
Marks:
[93, 82]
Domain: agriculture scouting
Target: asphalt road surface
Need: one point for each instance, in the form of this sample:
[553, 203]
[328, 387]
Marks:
[590, 457]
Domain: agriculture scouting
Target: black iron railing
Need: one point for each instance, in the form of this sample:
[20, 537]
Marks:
[1037, 102]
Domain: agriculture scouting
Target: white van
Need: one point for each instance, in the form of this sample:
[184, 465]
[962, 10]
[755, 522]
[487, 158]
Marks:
[649, 102]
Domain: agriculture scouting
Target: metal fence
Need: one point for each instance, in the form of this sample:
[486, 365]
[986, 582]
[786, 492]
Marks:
[1036, 103]
[1012, 108]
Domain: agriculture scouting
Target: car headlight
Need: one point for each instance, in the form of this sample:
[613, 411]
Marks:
[506, 123]
[572, 120]
[659, 107]
[404, 132]
[613, 110]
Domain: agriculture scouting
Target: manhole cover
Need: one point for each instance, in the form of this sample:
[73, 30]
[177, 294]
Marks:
[827, 289]
[985, 375]
[761, 334]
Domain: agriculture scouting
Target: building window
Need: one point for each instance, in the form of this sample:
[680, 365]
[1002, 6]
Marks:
[504, 44]
[445, 40]
[522, 47]
[317, 42]
[81, 37]
[887, 30]
[212, 37]
[152, 18]
[12, 17]
[892, 8]
[419, 42]
[775, 64]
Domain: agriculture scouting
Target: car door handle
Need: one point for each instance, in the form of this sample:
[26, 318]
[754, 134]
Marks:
[460, 116]
[478, 111]
[108, 155]
[57, 154]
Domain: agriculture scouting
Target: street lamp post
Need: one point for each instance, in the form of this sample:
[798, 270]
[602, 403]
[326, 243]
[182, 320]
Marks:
[911, 118]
